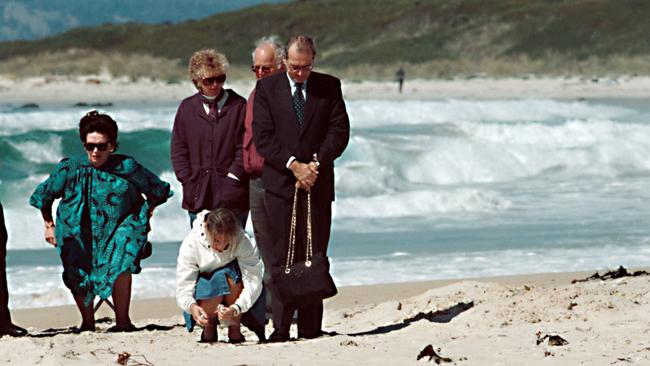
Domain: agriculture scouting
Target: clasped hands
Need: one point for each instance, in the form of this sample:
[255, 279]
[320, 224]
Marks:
[306, 174]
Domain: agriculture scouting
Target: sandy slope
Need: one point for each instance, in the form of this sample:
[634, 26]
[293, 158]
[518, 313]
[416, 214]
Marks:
[44, 91]
[605, 323]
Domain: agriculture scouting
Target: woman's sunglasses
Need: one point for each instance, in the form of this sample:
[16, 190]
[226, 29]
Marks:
[214, 80]
[91, 147]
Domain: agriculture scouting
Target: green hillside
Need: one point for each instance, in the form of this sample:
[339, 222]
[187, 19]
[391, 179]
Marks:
[369, 38]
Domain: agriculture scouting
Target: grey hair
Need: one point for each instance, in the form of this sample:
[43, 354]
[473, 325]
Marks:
[274, 42]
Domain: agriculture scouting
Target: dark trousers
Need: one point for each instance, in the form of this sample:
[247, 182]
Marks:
[5, 318]
[310, 316]
[262, 232]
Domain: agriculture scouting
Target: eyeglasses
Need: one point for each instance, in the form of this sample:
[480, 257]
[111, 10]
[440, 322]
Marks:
[91, 147]
[263, 69]
[298, 68]
[214, 80]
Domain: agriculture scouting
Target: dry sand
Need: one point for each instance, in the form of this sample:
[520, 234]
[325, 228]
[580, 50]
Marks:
[94, 89]
[605, 323]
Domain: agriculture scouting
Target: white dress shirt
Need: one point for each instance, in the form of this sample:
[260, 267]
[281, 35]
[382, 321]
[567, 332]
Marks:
[292, 84]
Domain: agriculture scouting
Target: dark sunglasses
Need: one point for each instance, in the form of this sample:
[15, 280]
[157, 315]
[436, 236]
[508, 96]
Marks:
[91, 147]
[214, 80]
[257, 69]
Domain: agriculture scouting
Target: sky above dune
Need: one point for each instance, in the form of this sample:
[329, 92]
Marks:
[33, 19]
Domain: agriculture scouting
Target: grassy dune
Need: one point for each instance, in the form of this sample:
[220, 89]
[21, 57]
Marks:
[369, 40]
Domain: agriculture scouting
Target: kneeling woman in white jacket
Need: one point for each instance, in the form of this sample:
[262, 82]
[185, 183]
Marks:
[218, 274]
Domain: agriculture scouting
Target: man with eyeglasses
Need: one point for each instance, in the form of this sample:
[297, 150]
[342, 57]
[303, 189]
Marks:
[300, 126]
[267, 60]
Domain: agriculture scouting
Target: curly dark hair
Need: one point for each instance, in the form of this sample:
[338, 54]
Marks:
[94, 121]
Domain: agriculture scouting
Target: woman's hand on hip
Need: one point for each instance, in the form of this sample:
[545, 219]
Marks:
[49, 235]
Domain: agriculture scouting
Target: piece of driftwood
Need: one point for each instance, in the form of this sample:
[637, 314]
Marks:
[553, 339]
[611, 275]
[428, 351]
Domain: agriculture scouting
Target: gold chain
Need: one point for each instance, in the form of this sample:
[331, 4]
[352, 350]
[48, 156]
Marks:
[292, 233]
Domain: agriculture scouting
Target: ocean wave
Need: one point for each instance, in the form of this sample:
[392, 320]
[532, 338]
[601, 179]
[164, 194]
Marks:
[39, 151]
[420, 203]
[129, 118]
[374, 113]
[456, 265]
[494, 152]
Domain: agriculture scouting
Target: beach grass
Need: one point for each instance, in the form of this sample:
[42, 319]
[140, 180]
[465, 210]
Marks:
[431, 39]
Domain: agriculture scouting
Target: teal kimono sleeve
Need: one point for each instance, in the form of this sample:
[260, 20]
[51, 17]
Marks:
[52, 188]
[156, 190]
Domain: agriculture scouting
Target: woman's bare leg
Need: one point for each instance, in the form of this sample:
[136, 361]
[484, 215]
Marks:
[122, 300]
[210, 308]
[234, 330]
[87, 313]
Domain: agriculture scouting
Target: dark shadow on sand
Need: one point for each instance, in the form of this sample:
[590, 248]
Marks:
[51, 332]
[440, 316]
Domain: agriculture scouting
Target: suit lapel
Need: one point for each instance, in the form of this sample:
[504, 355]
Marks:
[286, 101]
[310, 105]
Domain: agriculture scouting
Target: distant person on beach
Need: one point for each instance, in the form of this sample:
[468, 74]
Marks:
[300, 126]
[206, 143]
[218, 274]
[267, 60]
[399, 75]
[6, 326]
[102, 220]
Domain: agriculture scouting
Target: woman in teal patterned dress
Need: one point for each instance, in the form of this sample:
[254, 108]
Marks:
[102, 219]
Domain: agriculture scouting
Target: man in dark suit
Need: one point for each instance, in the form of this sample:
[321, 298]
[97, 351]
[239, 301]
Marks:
[6, 327]
[300, 127]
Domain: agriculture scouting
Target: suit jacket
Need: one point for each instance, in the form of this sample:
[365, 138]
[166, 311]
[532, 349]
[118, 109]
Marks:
[325, 131]
[204, 151]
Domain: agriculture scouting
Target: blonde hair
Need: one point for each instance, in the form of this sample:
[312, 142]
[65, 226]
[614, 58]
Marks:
[222, 221]
[205, 62]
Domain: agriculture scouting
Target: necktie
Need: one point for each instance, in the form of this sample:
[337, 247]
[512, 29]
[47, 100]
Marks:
[212, 105]
[213, 108]
[299, 103]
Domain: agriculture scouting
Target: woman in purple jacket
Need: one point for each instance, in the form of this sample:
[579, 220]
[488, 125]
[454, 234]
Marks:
[206, 145]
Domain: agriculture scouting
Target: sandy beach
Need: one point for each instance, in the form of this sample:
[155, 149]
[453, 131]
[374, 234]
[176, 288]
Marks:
[485, 321]
[103, 89]
[498, 322]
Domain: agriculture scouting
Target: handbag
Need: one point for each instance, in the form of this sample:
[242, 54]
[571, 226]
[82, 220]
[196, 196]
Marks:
[299, 283]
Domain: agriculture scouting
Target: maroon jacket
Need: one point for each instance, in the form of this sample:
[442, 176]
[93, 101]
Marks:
[253, 161]
[204, 151]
